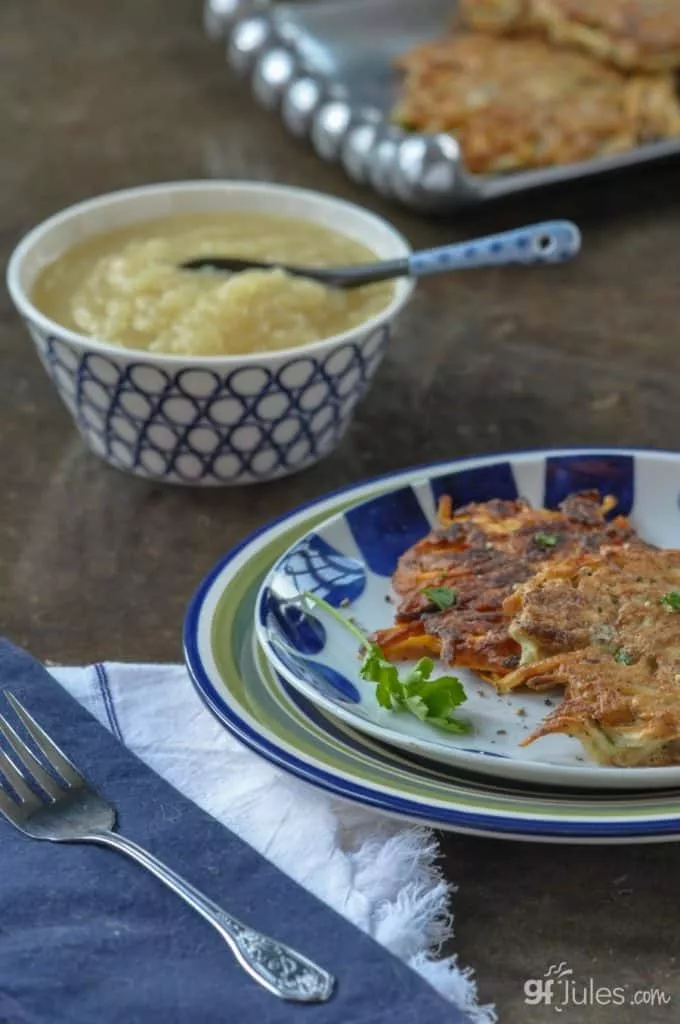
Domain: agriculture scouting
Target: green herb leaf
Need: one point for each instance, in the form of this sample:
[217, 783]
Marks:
[377, 669]
[671, 601]
[546, 540]
[431, 700]
[443, 597]
[623, 656]
[434, 700]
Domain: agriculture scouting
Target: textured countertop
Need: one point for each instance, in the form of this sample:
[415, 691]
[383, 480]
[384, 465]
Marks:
[99, 565]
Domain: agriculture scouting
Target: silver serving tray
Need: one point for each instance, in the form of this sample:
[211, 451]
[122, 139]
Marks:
[326, 67]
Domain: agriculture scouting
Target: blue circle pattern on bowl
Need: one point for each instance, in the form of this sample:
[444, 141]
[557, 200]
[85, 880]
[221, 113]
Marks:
[381, 529]
[198, 425]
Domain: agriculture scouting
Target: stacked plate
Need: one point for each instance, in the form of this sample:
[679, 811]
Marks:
[288, 684]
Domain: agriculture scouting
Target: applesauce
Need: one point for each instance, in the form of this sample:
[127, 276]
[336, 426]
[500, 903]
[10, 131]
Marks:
[126, 286]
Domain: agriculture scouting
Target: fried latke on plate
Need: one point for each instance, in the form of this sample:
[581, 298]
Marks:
[518, 103]
[478, 554]
[607, 628]
[633, 34]
[580, 598]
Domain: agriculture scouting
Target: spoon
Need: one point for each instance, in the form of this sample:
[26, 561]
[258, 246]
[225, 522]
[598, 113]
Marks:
[550, 242]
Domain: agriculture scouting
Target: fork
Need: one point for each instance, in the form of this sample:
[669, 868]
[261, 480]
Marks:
[71, 811]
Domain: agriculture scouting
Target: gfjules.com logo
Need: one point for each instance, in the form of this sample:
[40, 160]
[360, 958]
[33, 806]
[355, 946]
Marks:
[559, 989]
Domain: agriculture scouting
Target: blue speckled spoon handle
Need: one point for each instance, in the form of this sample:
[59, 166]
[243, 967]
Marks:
[550, 242]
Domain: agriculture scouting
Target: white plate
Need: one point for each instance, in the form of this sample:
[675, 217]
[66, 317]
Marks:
[351, 557]
[266, 713]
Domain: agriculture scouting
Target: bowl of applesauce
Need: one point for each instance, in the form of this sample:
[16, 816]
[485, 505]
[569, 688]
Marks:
[207, 378]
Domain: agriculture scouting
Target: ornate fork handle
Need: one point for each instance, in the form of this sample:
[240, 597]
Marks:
[276, 967]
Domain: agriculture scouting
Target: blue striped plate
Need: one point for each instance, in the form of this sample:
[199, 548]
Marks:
[266, 713]
[349, 559]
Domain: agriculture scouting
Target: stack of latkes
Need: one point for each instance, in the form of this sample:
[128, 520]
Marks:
[567, 598]
[534, 83]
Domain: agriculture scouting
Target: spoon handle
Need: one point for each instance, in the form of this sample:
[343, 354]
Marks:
[550, 242]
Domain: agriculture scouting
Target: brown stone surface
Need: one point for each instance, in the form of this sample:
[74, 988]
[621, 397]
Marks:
[96, 564]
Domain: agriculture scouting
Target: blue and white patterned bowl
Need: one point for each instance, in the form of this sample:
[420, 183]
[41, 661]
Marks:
[348, 560]
[207, 420]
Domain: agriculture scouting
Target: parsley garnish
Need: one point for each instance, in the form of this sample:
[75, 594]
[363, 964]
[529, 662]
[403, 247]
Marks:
[546, 540]
[671, 601]
[431, 700]
[443, 597]
[623, 656]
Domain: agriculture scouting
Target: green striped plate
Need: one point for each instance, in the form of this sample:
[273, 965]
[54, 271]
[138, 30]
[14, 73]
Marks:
[234, 679]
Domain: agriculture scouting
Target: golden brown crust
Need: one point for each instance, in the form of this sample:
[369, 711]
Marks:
[516, 103]
[641, 35]
[604, 628]
[623, 715]
[497, 17]
[481, 552]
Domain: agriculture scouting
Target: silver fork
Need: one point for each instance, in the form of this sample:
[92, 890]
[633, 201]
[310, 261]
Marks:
[72, 812]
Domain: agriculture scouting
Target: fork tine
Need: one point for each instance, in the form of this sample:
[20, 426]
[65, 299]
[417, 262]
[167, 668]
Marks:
[29, 761]
[50, 751]
[11, 773]
[9, 806]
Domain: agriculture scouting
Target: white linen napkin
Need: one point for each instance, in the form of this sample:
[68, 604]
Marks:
[376, 872]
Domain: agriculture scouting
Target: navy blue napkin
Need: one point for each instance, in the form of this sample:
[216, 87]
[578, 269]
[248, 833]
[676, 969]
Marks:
[88, 936]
